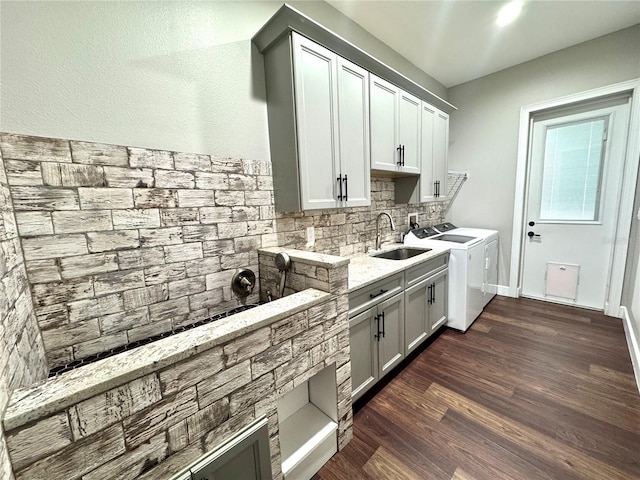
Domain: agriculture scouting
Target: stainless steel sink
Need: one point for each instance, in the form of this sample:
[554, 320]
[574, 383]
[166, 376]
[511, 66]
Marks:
[401, 253]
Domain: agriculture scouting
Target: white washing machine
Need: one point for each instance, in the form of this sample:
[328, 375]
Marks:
[466, 267]
[490, 238]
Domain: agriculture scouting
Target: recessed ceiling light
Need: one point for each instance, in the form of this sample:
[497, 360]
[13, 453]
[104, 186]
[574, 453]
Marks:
[509, 12]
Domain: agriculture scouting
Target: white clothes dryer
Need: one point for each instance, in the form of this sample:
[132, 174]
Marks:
[490, 238]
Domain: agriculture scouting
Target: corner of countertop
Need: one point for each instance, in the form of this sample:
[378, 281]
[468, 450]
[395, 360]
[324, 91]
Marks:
[312, 258]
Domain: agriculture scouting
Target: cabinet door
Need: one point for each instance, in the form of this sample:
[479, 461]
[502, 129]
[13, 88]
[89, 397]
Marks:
[384, 120]
[364, 352]
[316, 101]
[427, 185]
[439, 300]
[353, 132]
[409, 131]
[391, 333]
[440, 151]
[416, 316]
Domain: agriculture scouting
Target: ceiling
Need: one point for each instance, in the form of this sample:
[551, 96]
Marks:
[456, 41]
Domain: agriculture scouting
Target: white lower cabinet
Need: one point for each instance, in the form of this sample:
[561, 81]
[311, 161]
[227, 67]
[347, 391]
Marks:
[392, 317]
[439, 301]
[425, 301]
[417, 327]
[377, 343]
[364, 357]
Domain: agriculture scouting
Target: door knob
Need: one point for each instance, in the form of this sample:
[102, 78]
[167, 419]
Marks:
[531, 235]
[532, 223]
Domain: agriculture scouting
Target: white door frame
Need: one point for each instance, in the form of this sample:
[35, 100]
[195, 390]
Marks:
[623, 227]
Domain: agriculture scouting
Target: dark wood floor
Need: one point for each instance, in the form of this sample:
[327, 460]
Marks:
[532, 391]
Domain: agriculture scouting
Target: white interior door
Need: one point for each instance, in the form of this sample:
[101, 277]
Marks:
[576, 161]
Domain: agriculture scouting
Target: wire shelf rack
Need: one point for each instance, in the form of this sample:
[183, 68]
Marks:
[455, 180]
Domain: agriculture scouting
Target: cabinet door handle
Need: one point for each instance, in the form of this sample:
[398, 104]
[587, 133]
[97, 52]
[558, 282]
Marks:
[346, 188]
[374, 295]
[433, 293]
[399, 149]
[377, 335]
[339, 179]
[403, 155]
[429, 295]
[382, 324]
[436, 188]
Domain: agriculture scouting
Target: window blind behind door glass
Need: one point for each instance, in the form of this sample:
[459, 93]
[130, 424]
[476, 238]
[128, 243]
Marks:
[572, 171]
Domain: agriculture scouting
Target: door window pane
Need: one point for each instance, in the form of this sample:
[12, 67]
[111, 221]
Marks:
[572, 171]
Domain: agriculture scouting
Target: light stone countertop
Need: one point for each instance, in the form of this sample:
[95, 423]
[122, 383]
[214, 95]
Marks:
[364, 269]
[67, 389]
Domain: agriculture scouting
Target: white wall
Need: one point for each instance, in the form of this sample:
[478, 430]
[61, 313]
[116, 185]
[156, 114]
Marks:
[484, 131]
[174, 75]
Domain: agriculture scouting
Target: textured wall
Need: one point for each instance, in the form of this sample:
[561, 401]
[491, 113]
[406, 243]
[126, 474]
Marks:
[22, 358]
[122, 243]
[171, 75]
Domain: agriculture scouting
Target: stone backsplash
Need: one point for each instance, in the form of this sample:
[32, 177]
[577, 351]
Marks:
[348, 231]
[121, 243]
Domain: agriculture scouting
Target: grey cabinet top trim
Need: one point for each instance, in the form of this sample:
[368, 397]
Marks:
[288, 19]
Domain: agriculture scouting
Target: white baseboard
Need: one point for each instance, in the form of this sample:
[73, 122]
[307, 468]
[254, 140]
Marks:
[505, 291]
[633, 342]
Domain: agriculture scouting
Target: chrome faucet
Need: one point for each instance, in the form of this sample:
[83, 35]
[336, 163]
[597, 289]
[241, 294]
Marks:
[393, 227]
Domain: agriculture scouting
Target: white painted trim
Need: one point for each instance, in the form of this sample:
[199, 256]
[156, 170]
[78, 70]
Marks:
[633, 342]
[519, 200]
[504, 291]
[625, 211]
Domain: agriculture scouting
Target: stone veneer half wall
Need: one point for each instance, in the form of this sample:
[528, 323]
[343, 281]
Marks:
[121, 243]
[22, 356]
[149, 413]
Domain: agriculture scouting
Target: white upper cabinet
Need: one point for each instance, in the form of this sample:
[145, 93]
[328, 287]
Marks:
[440, 153]
[409, 132]
[315, 99]
[353, 134]
[319, 129]
[395, 128]
[435, 141]
[337, 113]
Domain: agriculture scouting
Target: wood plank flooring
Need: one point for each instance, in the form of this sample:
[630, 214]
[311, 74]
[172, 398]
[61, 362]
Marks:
[532, 391]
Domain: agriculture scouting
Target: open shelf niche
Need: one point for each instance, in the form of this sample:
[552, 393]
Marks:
[308, 417]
